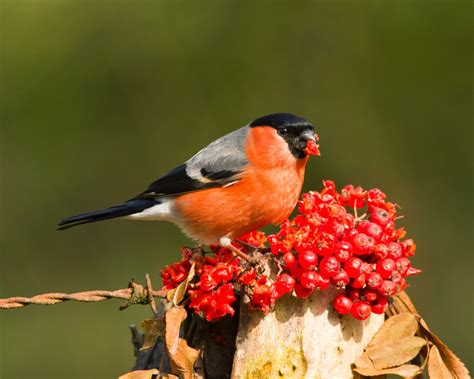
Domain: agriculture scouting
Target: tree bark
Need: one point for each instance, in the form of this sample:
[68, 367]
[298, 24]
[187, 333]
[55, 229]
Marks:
[301, 339]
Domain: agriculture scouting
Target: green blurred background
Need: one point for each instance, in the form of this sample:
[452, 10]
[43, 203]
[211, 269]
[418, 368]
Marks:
[100, 98]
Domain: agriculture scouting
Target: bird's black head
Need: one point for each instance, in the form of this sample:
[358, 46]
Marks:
[296, 131]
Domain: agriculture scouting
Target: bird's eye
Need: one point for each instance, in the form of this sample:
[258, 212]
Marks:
[283, 131]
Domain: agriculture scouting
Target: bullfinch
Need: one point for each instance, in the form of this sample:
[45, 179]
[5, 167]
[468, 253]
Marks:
[241, 182]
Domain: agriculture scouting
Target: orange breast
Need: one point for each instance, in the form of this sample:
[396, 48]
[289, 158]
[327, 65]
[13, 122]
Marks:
[266, 194]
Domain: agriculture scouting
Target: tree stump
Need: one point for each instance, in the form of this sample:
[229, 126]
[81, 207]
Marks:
[300, 339]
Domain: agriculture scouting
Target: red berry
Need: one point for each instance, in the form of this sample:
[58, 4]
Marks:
[390, 228]
[286, 279]
[352, 267]
[374, 280]
[370, 296]
[375, 196]
[348, 220]
[308, 259]
[363, 244]
[296, 271]
[366, 268]
[360, 310]
[351, 233]
[371, 229]
[394, 250]
[385, 267]
[388, 288]
[323, 282]
[358, 282]
[284, 284]
[289, 259]
[329, 266]
[342, 304]
[341, 279]
[302, 292]
[380, 251]
[380, 306]
[309, 280]
[343, 251]
[354, 293]
[396, 277]
[379, 216]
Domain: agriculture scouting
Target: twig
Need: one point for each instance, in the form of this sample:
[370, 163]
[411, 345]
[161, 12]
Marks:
[149, 290]
[135, 294]
[241, 254]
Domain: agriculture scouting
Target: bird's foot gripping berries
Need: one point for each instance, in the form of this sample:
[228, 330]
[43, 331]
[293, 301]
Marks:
[344, 239]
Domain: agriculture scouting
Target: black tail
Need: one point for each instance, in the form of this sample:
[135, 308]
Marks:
[125, 209]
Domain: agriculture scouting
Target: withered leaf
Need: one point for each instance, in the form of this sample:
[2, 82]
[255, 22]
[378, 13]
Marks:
[141, 374]
[453, 363]
[403, 371]
[176, 295]
[153, 328]
[436, 367]
[394, 328]
[395, 353]
[364, 361]
[182, 357]
[406, 302]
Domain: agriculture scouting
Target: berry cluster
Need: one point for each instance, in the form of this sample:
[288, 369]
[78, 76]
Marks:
[328, 245]
[324, 245]
[220, 276]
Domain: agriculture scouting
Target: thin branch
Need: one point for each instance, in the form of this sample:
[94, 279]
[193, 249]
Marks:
[151, 299]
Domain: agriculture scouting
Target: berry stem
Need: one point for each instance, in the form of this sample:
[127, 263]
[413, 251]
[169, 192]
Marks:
[358, 219]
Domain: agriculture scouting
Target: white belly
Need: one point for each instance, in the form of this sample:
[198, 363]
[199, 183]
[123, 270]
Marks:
[165, 211]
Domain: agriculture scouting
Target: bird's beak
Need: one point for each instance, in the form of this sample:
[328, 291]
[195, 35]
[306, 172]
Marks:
[307, 142]
[304, 137]
[309, 135]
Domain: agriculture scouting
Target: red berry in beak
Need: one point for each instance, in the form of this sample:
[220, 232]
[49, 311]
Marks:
[312, 148]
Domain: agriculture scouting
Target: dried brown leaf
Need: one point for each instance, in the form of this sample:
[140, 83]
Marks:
[141, 374]
[395, 328]
[364, 361]
[176, 295]
[182, 357]
[395, 353]
[153, 328]
[403, 371]
[437, 369]
[452, 362]
[401, 304]
[406, 302]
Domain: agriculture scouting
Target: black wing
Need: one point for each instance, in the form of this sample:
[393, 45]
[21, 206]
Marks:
[219, 164]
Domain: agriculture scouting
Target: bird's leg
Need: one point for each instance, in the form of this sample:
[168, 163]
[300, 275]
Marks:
[226, 242]
[252, 248]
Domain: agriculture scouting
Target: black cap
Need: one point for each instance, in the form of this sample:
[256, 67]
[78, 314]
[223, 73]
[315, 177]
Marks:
[277, 120]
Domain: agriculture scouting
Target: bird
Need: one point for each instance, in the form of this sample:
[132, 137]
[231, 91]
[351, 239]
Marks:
[241, 182]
